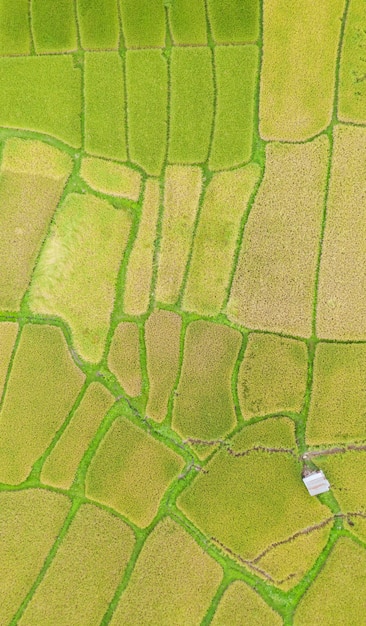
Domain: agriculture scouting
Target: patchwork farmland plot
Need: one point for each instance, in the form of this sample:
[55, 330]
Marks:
[175, 574]
[64, 457]
[272, 375]
[182, 312]
[162, 337]
[95, 541]
[124, 357]
[15, 37]
[111, 179]
[239, 603]
[105, 129]
[105, 13]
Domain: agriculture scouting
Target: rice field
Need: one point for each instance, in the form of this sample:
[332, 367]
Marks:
[182, 312]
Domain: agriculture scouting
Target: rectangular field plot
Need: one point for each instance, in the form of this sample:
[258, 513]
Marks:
[272, 376]
[188, 22]
[42, 388]
[216, 238]
[60, 467]
[98, 24]
[282, 231]
[8, 333]
[131, 471]
[139, 273]
[42, 94]
[341, 311]
[352, 86]
[14, 27]
[236, 77]
[143, 23]
[110, 178]
[81, 580]
[288, 109]
[124, 357]
[147, 97]
[162, 339]
[242, 605]
[234, 21]
[182, 191]
[30, 521]
[179, 579]
[191, 107]
[105, 115]
[32, 177]
[76, 274]
[204, 405]
[338, 399]
[54, 30]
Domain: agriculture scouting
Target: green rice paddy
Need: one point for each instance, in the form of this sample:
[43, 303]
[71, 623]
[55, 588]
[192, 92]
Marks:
[182, 312]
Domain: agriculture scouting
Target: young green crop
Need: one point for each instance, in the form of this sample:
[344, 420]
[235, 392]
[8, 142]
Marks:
[105, 127]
